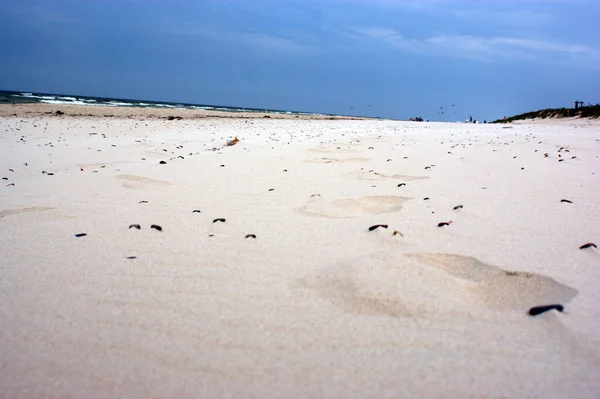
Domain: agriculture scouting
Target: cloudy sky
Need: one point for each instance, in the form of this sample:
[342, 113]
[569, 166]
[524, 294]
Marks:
[387, 58]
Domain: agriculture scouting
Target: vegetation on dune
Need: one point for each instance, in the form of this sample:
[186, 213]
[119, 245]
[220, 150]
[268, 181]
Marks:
[588, 111]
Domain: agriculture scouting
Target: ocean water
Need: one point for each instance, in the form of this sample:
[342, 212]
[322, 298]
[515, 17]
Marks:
[16, 97]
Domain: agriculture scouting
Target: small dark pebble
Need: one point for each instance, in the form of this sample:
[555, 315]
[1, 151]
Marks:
[163, 162]
[560, 160]
[219, 220]
[271, 189]
[222, 166]
[132, 257]
[50, 174]
[285, 170]
[250, 235]
[458, 207]
[137, 226]
[143, 202]
[211, 235]
[376, 226]
[426, 199]
[566, 200]
[80, 235]
[10, 184]
[588, 245]
[196, 211]
[5, 178]
[542, 309]
[442, 224]
[401, 184]
[156, 227]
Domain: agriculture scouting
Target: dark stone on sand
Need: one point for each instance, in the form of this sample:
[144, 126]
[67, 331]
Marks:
[588, 245]
[59, 112]
[163, 162]
[542, 309]
[376, 226]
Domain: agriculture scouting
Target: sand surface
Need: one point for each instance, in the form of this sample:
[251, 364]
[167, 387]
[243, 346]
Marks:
[316, 305]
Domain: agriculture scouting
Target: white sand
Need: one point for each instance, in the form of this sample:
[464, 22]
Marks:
[316, 305]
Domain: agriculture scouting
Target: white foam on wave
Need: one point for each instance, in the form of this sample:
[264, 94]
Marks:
[117, 104]
[63, 102]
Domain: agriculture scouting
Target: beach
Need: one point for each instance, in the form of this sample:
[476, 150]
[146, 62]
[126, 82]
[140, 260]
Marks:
[265, 274]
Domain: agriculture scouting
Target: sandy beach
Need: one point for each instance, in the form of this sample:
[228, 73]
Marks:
[262, 278]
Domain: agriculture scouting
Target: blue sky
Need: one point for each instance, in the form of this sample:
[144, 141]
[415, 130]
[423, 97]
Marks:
[386, 58]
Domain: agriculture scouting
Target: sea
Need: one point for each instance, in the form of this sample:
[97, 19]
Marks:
[17, 97]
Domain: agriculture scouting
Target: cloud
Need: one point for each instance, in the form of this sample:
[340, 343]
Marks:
[38, 14]
[268, 41]
[261, 40]
[487, 49]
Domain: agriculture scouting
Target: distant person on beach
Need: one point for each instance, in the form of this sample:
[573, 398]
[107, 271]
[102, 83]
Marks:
[505, 120]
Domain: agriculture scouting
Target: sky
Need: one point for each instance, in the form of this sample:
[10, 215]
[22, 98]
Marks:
[380, 58]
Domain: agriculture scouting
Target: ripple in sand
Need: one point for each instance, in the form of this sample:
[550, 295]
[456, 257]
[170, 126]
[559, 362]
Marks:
[352, 207]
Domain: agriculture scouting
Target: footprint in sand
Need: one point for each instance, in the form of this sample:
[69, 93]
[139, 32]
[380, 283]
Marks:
[338, 148]
[366, 175]
[133, 181]
[10, 212]
[352, 207]
[432, 285]
[337, 160]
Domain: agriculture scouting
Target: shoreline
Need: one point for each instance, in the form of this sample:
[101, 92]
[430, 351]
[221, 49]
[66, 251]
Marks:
[49, 110]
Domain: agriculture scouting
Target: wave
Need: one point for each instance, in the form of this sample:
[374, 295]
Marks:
[11, 97]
